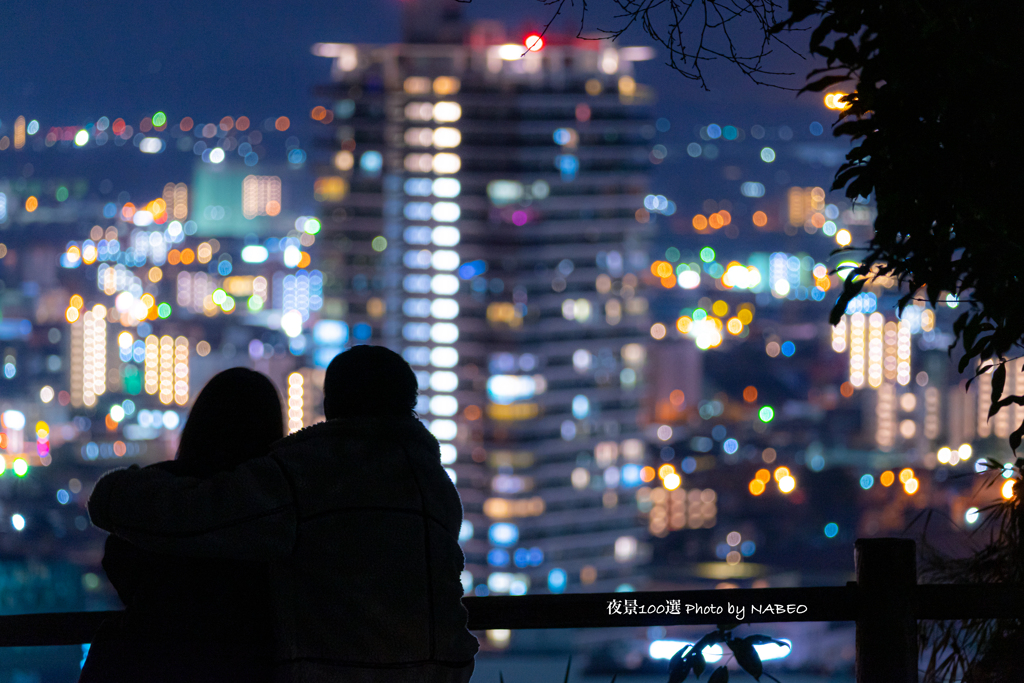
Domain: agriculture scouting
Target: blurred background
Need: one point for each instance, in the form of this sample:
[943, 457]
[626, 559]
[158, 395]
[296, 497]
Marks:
[613, 285]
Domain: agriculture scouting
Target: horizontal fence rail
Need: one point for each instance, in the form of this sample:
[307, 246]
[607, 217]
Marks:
[885, 601]
[610, 610]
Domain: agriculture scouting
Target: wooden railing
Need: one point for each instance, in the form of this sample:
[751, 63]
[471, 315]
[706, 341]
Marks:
[885, 602]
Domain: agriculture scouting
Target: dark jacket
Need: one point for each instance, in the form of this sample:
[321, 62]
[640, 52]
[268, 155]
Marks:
[359, 523]
[186, 619]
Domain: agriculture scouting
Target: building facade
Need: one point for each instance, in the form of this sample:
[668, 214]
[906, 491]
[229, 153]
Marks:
[488, 224]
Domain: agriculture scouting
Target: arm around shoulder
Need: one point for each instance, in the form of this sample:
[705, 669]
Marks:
[247, 513]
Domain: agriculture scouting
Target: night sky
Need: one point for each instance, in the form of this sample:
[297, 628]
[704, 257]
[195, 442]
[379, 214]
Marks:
[69, 63]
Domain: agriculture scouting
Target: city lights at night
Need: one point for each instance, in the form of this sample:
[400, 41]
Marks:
[614, 296]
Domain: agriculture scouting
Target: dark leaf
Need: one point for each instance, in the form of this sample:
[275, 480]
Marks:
[680, 665]
[1016, 437]
[851, 288]
[998, 382]
[699, 664]
[679, 672]
[567, 667]
[746, 657]
[721, 675]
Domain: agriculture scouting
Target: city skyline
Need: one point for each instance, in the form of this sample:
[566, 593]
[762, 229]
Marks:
[728, 245]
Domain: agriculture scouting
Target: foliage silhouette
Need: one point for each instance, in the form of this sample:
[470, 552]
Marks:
[691, 658]
[979, 650]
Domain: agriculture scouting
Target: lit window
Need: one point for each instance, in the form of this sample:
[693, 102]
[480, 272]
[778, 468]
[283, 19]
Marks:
[261, 196]
[444, 406]
[444, 333]
[417, 211]
[417, 234]
[418, 187]
[417, 284]
[416, 308]
[444, 357]
[444, 380]
[417, 85]
[418, 332]
[419, 111]
[444, 284]
[417, 258]
[419, 137]
[445, 212]
[445, 236]
[447, 138]
[444, 309]
[446, 162]
[419, 163]
[446, 187]
[446, 112]
[444, 259]
[416, 355]
[444, 430]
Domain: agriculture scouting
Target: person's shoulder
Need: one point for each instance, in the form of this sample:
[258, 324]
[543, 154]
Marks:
[361, 428]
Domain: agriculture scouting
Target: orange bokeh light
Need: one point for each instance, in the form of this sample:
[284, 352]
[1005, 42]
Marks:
[282, 123]
[31, 204]
[318, 113]
[886, 478]
[661, 268]
[700, 222]
[242, 123]
[186, 124]
[756, 487]
[750, 394]
[760, 219]
[677, 397]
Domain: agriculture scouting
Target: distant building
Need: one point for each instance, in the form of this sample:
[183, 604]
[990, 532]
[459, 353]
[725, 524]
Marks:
[488, 223]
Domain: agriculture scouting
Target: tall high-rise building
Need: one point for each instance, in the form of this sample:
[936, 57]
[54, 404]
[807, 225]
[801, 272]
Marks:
[489, 224]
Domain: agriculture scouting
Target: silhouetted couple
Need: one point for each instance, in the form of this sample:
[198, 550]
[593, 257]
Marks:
[329, 555]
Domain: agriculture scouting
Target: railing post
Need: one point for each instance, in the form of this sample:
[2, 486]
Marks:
[887, 630]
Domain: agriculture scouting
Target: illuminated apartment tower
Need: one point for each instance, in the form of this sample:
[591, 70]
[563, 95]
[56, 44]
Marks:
[489, 225]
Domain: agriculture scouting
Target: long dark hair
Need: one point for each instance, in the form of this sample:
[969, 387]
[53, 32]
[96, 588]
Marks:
[235, 418]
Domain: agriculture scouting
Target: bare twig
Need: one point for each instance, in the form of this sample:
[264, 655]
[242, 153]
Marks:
[694, 31]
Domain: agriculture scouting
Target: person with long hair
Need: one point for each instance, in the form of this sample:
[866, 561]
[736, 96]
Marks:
[189, 618]
[357, 520]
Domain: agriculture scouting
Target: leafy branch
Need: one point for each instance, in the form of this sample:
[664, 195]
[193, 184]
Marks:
[691, 658]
